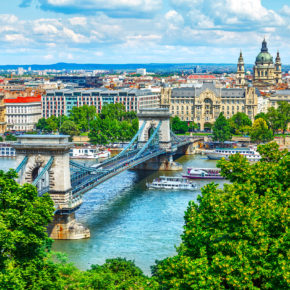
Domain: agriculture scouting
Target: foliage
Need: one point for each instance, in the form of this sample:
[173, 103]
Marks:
[10, 137]
[1, 139]
[178, 126]
[221, 129]
[238, 237]
[113, 124]
[69, 128]
[284, 115]
[260, 132]
[83, 116]
[273, 119]
[238, 122]
[23, 238]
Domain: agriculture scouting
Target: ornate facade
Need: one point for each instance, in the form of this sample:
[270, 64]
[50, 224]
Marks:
[202, 105]
[2, 114]
[265, 72]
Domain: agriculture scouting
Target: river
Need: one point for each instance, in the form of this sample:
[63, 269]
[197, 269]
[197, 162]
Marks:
[128, 220]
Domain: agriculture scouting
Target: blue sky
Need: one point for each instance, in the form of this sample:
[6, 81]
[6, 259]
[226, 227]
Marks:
[141, 31]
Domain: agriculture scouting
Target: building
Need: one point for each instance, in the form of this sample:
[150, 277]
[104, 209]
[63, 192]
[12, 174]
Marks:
[265, 72]
[2, 114]
[278, 96]
[203, 104]
[60, 102]
[80, 81]
[23, 113]
[141, 71]
[241, 71]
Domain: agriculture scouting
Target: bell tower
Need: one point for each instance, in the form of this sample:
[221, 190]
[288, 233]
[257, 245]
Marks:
[278, 69]
[241, 71]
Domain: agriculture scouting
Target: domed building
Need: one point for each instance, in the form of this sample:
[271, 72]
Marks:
[266, 73]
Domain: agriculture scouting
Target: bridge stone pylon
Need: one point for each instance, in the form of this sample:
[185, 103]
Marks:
[151, 118]
[44, 162]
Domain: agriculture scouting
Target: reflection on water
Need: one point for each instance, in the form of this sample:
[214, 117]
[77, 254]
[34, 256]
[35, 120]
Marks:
[128, 220]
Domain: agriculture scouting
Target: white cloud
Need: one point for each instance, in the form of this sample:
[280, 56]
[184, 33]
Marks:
[82, 21]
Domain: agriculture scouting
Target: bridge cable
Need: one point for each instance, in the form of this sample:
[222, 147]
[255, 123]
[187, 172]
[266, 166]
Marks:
[45, 169]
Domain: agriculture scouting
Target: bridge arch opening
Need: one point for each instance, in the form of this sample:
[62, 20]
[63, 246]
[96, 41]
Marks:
[34, 173]
[151, 131]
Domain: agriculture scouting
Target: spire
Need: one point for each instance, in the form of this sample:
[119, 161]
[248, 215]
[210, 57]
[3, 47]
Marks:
[264, 46]
[241, 59]
[278, 59]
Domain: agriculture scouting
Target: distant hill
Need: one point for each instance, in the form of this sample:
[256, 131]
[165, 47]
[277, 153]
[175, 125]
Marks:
[150, 67]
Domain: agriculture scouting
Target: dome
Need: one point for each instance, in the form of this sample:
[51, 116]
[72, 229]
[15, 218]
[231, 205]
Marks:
[264, 57]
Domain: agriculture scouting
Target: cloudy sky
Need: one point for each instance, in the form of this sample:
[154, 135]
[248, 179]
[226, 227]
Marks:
[141, 31]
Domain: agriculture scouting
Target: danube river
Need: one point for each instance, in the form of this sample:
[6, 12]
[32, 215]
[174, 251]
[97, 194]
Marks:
[128, 220]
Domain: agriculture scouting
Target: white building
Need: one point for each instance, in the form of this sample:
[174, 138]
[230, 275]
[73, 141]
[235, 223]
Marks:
[141, 71]
[23, 113]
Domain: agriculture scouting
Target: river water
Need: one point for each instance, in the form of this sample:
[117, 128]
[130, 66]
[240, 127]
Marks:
[128, 220]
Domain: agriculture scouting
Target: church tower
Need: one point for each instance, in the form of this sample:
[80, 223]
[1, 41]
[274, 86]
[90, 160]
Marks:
[264, 69]
[241, 71]
[278, 69]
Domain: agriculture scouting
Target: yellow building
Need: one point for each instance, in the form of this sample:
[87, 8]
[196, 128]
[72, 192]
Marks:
[2, 114]
[202, 104]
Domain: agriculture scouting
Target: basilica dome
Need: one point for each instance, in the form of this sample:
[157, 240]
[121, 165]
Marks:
[264, 56]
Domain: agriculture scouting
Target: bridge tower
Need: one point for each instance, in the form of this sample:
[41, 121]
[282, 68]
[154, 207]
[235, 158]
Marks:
[44, 162]
[149, 119]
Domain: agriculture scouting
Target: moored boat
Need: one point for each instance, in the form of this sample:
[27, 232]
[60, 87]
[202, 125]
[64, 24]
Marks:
[219, 153]
[203, 173]
[89, 153]
[169, 182]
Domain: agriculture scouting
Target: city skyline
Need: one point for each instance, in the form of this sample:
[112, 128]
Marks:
[143, 31]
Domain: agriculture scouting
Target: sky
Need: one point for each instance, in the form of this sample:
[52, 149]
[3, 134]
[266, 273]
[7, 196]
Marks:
[141, 31]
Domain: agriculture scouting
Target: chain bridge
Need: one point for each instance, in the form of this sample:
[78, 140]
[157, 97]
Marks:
[44, 162]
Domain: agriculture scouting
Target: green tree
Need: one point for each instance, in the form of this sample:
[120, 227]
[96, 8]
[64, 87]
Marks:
[260, 132]
[283, 111]
[273, 120]
[178, 126]
[83, 116]
[221, 129]
[114, 111]
[238, 121]
[10, 137]
[1, 139]
[236, 237]
[69, 128]
[23, 238]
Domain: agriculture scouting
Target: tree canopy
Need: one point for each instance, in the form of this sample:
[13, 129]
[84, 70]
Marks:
[238, 122]
[178, 126]
[236, 237]
[260, 132]
[221, 129]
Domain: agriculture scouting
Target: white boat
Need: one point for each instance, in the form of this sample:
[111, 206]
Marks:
[250, 153]
[168, 182]
[89, 152]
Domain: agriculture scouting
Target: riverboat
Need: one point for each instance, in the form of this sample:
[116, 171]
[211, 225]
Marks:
[6, 150]
[219, 153]
[168, 182]
[203, 173]
[89, 153]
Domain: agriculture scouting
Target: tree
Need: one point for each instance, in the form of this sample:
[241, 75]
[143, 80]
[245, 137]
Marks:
[69, 128]
[283, 115]
[83, 116]
[221, 129]
[10, 137]
[260, 132]
[23, 238]
[1, 139]
[236, 237]
[273, 119]
[178, 126]
[114, 111]
[239, 121]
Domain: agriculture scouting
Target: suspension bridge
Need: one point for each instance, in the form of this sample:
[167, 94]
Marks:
[44, 162]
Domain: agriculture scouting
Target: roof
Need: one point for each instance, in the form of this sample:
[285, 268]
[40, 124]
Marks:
[24, 100]
[198, 77]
